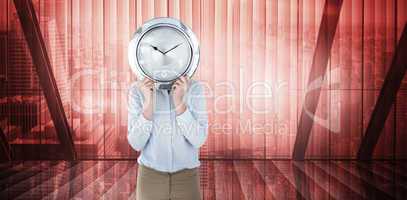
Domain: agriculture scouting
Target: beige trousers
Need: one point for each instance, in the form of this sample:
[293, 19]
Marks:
[156, 185]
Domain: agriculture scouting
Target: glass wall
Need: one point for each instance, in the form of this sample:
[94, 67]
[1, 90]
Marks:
[255, 61]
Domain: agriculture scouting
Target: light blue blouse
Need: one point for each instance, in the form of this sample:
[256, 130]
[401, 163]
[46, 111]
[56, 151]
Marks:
[168, 143]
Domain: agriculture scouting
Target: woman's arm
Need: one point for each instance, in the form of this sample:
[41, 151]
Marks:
[139, 119]
[193, 122]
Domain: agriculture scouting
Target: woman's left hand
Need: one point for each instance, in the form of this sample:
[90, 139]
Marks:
[179, 89]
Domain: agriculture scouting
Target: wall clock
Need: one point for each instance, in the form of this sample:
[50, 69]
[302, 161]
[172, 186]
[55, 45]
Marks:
[163, 49]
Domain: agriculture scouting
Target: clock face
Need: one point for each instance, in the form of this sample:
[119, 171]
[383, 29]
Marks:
[164, 53]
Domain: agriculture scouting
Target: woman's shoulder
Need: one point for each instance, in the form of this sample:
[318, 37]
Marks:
[133, 88]
[194, 82]
[196, 87]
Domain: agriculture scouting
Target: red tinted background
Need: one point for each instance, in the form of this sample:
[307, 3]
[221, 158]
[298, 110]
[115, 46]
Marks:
[242, 43]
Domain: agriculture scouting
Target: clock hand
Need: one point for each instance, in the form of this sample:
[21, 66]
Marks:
[173, 48]
[157, 49]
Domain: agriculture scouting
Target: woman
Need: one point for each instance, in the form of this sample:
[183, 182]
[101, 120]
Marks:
[168, 127]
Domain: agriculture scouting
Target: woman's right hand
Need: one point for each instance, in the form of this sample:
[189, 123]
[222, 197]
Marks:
[146, 87]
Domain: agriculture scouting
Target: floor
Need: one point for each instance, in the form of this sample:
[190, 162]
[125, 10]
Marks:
[220, 179]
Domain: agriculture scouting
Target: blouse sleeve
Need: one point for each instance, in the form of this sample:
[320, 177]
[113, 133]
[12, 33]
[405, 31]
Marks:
[139, 128]
[193, 122]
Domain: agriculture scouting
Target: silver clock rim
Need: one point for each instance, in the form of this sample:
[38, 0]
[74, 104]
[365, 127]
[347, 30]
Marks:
[159, 22]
